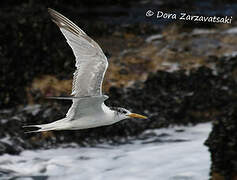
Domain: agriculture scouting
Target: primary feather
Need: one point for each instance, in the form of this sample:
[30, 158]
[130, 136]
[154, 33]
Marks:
[91, 63]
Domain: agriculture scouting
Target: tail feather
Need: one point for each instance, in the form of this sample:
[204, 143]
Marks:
[57, 125]
[41, 128]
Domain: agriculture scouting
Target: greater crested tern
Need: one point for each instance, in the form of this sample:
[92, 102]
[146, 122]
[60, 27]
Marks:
[88, 109]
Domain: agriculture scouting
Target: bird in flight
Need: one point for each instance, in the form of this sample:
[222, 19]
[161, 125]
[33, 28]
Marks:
[88, 109]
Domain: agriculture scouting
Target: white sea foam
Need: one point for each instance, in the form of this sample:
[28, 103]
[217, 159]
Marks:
[178, 155]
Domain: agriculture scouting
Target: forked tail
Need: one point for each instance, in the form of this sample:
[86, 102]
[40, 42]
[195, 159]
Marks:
[57, 125]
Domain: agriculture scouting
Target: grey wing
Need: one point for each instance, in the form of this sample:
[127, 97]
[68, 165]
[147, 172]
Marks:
[91, 63]
[86, 106]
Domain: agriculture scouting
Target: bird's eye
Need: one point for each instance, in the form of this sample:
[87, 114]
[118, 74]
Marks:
[124, 112]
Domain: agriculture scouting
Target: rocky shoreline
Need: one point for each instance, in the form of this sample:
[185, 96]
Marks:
[177, 74]
[166, 97]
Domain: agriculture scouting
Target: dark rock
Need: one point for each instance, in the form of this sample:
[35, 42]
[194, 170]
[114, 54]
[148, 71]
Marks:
[222, 141]
[8, 148]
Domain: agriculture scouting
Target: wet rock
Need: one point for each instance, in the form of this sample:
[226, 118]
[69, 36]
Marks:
[8, 148]
[222, 141]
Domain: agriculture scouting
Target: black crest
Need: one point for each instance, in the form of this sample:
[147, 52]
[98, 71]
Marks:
[119, 110]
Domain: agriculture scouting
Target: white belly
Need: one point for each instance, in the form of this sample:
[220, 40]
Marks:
[91, 121]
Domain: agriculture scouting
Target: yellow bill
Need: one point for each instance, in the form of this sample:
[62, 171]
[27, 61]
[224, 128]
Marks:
[134, 115]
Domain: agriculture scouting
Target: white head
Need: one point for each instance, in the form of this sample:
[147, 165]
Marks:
[122, 113]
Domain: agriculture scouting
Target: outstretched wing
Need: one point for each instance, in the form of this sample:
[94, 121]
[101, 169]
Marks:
[91, 63]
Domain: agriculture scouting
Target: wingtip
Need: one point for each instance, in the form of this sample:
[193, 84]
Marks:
[53, 15]
[50, 10]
